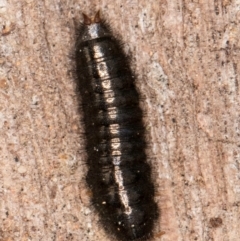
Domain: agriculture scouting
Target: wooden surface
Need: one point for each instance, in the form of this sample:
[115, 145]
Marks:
[186, 55]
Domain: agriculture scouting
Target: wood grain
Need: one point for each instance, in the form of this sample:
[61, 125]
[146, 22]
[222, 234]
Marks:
[186, 56]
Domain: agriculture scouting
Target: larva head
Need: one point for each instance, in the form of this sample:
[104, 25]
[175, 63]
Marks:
[93, 28]
[89, 21]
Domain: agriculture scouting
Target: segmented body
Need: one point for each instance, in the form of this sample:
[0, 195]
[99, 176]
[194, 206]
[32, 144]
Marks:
[119, 175]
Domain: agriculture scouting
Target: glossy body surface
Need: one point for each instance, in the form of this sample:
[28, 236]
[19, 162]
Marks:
[119, 175]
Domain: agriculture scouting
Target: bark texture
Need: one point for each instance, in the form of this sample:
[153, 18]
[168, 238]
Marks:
[186, 56]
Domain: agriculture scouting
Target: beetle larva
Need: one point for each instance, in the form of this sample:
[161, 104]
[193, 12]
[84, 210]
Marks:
[118, 175]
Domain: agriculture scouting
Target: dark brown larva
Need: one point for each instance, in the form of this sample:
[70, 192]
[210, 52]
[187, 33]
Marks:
[119, 175]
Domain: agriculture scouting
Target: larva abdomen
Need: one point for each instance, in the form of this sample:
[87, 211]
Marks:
[119, 175]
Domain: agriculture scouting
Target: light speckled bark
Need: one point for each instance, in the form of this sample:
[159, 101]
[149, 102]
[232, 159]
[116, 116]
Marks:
[186, 55]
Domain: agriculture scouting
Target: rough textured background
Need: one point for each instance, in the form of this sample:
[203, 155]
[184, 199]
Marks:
[186, 55]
